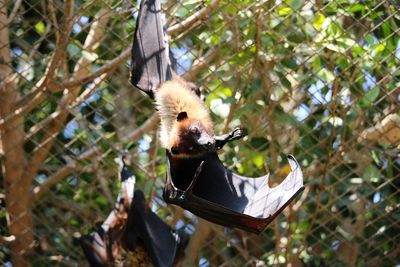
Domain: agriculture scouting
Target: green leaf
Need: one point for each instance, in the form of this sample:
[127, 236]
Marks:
[285, 11]
[181, 12]
[74, 222]
[40, 27]
[372, 173]
[290, 63]
[369, 97]
[258, 161]
[318, 21]
[379, 48]
[326, 75]
[73, 50]
[285, 82]
[296, 4]
[259, 143]
[346, 42]
[356, 8]
[336, 48]
[370, 39]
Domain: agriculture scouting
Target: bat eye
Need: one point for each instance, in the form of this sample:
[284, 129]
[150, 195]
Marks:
[174, 150]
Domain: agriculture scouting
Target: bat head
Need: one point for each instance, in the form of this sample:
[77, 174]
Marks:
[193, 138]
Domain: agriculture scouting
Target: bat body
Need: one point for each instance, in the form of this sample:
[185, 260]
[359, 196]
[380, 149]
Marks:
[196, 178]
[186, 128]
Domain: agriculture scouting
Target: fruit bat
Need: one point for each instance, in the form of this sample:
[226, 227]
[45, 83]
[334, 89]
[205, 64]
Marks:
[132, 222]
[202, 184]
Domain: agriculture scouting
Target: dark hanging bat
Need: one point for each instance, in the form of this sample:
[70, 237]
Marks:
[131, 222]
[196, 178]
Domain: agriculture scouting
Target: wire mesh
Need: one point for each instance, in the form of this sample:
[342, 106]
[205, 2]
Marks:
[316, 79]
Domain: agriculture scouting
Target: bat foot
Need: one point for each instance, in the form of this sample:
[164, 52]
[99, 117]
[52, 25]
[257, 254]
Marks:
[236, 134]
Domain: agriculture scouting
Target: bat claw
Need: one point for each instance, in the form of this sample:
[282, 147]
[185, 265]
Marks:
[221, 140]
[237, 134]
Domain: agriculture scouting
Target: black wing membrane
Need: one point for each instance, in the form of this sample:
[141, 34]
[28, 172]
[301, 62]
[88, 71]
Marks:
[132, 222]
[150, 64]
[208, 189]
[164, 246]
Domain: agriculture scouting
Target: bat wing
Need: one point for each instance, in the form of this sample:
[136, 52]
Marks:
[132, 220]
[203, 185]
[164, 246]
[150, 65]
[208, 189]
[99, 246]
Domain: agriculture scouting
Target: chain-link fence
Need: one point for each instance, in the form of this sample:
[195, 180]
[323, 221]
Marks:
[316, 79]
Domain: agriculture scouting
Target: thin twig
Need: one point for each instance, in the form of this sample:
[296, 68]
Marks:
[51, 132]
[150, 124]
[7, 240]
[54, 179]
[31, 100]
[110, 66]
[66, 28]
[188, 22]
[201, 63]
[14, 11]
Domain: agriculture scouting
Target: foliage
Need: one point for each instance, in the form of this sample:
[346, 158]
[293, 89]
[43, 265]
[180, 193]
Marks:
[307, 78]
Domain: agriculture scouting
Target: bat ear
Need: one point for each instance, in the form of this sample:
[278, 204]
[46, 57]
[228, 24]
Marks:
[181, 116]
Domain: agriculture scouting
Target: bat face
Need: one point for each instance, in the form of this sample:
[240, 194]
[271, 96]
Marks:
[192, 137]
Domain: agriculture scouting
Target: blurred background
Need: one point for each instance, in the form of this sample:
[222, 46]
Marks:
[313, 78]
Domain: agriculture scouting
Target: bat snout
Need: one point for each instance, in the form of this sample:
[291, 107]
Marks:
[208, 144]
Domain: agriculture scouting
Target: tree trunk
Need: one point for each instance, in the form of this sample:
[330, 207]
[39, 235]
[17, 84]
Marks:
[12, 139]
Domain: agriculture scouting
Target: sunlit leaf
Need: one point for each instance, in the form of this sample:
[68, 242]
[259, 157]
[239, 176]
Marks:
[357, 7]
[40, 27]
[285, 11]
[326, 75]
[318, 21]
[258, 161]
[379, 48]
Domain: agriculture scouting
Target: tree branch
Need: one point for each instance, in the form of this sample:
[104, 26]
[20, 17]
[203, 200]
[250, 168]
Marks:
[38, 93]
[7, 240]
[14, 11]
[149, 125]
[201, 63]
[81, 69]
[107, 68]
[197, 240]
[26, 104]
[188, 22]
[60, 49]
[54, 179]
[84, 95]
[11, 138]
